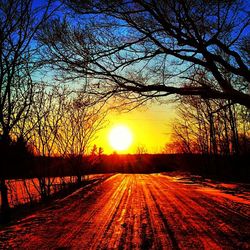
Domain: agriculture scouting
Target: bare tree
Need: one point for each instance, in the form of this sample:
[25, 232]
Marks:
[45, 120]
[141, 149]
[210, 127]
[62, 123]
[79, 125]
[19, 22]
[146, 49]
[78, 130]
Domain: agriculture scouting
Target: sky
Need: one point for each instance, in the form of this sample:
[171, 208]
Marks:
[150, 127]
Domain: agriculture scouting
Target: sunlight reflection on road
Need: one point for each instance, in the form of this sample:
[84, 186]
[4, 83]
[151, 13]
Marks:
[137, 211]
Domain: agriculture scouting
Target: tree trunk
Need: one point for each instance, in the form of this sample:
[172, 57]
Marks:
[213, 144]
[79, 179]
[235, 141]
[5, 207]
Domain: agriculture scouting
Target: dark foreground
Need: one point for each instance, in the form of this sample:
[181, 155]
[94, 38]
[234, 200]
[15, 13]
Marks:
[137, 212]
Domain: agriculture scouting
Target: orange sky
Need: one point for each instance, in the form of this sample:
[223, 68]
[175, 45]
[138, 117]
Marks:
[150, 127]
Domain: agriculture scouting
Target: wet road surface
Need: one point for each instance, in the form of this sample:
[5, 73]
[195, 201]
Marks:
[136, 211]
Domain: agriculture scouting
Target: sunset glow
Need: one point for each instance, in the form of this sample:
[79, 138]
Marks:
[120, 138]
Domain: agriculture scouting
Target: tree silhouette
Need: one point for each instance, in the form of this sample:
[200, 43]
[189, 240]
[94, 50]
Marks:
[147, 49]
[18, 62]
[211, 127]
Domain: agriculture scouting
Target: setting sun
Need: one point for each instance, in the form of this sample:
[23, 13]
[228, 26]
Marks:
[120, 137]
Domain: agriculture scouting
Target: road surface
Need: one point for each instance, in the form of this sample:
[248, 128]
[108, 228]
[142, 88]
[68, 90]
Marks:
[139, 211]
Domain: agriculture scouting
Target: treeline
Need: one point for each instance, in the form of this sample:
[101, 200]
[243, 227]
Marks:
[224, 167]
[215, 127]
[36, 116]
[231, 168]
[58, 123]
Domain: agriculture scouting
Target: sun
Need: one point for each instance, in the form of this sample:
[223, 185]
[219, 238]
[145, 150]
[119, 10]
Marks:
[120, 137]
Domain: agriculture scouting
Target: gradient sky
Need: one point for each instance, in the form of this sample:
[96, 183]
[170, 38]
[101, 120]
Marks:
[150, 126]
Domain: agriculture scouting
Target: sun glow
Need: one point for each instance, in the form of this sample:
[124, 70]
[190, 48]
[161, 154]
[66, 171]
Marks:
[120, 137]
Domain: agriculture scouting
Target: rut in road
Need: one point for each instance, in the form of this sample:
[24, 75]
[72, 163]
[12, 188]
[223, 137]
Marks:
[136, 211]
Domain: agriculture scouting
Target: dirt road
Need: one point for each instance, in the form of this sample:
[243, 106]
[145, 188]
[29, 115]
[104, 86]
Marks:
[137, 212]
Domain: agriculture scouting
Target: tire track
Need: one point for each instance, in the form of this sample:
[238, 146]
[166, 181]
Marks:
[199, 223]
[205, 220]
[104, 209]
[136, 211]
[177, 225]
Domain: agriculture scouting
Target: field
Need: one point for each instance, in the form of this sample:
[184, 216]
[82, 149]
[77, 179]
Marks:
[22, 191]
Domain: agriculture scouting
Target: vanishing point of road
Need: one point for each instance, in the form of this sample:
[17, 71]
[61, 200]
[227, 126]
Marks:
[136, 211]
